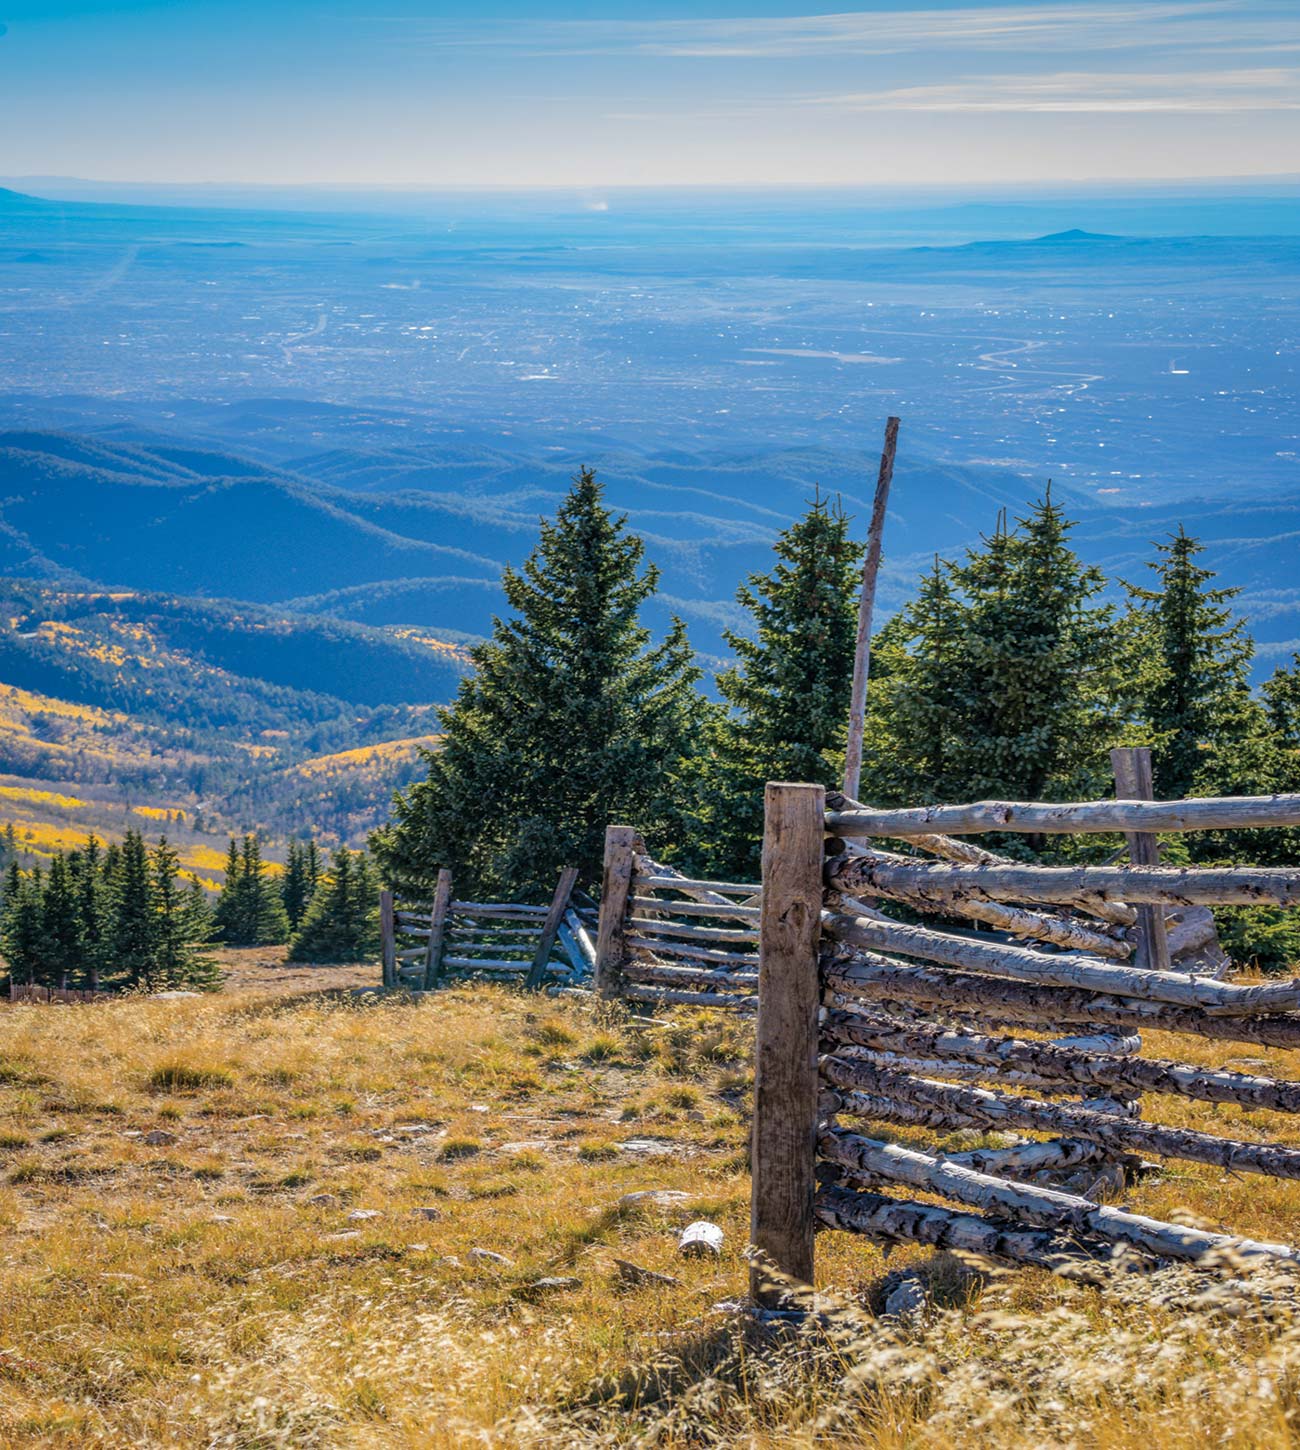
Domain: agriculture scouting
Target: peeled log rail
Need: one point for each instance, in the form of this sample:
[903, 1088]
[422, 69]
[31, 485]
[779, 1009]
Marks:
[1044, 1206]
[730, 912]
[1214, 813]
[968, 853]
[667, 998]
[667, 976]
[1013, 920]
[998, 1110]
[717, 891]
[695, 954]
[687, 932]
[901, 1221]
[1068, 969]
[951, 1068]
[1066, 885]
[1033, 1157]
[1065, 1065]
[484, 964]
[995, 999]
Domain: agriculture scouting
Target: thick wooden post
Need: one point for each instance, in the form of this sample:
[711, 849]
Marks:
[551, 927]
[621, 846]
[388, 938]
[1131, 765]
[785, 1061]
[433, 953]
[866, 607]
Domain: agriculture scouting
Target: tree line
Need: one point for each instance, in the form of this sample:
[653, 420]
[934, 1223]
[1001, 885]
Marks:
[1010, 673]
[123, 917]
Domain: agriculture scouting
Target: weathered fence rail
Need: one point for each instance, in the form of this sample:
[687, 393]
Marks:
[427, 943]
[867, 1020]
[666, 939]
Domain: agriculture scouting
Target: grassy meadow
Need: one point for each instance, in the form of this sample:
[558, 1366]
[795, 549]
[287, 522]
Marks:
[277, 1217]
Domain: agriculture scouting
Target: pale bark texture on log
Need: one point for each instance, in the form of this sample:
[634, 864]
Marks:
[995, 1000]
[998, 1110]
[1045, 1206]
[1215, 813]
[1065, 969]
[785, 1057]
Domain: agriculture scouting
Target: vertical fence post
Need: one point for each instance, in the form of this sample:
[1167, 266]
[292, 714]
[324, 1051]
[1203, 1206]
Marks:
[433, 952]
[615, 886]
[1131, 765]
[551, 927]
[388, 938]
[785, 1060]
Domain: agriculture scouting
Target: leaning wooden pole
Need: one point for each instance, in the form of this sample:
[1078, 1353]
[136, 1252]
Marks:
[551, 927]
[388, 938]
[866, 607]
[435, 950]
[784, 1147]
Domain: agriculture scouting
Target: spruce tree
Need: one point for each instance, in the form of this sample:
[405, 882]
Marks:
[249, 912]
[341, 925]
[176, 959]
[134, 934]
[61, 946]
[298, 884]
[788, 692]
[22, 925]
[1197, 690]
[572, 718]
[93, 912]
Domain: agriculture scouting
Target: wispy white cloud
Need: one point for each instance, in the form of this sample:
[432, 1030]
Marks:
[1252, 89]
[1073, 24]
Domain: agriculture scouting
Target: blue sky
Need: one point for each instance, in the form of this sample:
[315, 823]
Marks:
[747, 92]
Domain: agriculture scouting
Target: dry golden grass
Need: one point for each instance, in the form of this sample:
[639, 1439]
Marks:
[210, 1288]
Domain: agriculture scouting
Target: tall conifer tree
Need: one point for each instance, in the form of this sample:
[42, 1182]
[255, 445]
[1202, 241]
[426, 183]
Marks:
[571, 719]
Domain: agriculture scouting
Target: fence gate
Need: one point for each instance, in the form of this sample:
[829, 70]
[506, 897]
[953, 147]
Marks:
[866, 1020]
[509, 940]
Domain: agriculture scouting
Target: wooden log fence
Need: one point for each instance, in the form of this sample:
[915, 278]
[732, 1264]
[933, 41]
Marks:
[1030, 1024]
[426, 944]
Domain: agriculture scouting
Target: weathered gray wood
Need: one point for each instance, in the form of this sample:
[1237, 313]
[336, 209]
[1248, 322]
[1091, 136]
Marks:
[997, 1000]
[621, 846]
[663, 947]
[968, 853]
[1169, 885]
[667, 997]
[1064, 1065]
[484, 964]
[663, 878]
[728, 912]
[551, 926]
[1046, 1206]
[866, 607]
[785, 1057]
[669, 976]
[502, 909]
[998, 1110]
[1029, 1156]
[1131, 765]
[1064, 969]
[387, 939]
[902, 1221]
[436, 947]
[688, 931]
[1217, 813]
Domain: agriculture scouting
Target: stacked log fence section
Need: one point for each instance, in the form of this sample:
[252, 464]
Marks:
[1025, 1020]
[429, 943]
[667, 939]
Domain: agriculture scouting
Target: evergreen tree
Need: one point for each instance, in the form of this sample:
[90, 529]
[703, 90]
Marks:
[22, 925]
[134, 935]
[788, 692]
[250, 912]
[1197, 691]
[94, 927]
[176, 960]
[341, 925]
[299, 883]
[61, 944]
[571, 719]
